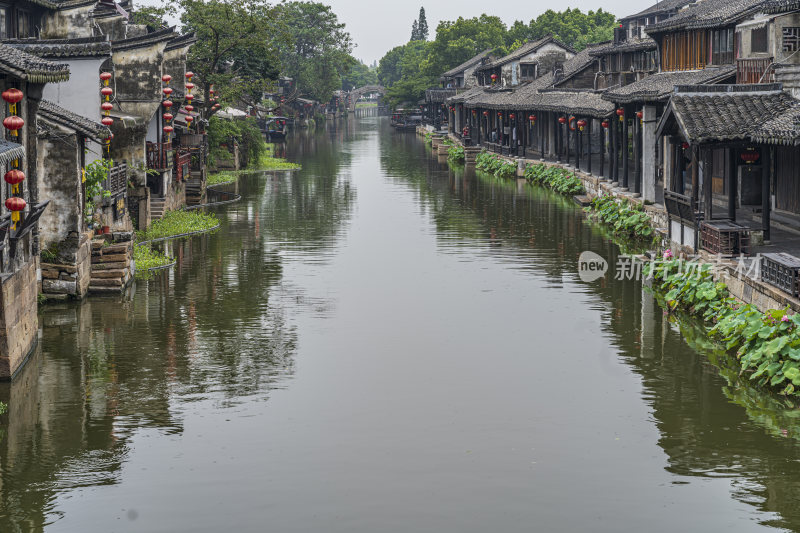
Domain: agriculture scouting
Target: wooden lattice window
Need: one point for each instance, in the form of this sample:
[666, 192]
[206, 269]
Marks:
[791, 39]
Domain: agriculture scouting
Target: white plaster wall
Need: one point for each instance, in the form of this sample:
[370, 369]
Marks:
[152, 130]
[81, 93]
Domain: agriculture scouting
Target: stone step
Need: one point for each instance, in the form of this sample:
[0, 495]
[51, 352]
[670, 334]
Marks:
[119, 273]
[104, 290]
[110, 258]
[110, 266]
[106, 282]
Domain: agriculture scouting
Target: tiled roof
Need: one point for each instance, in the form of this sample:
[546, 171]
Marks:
[182, 41]
[526, 49]
[467, 64]
[660, 7]
[10, 151]
[62, 48]
[141, 41]
[726, 113]
[633, 45]
[57, 114]
[467, 95]
[439, 95]
[781, 129]
[659, 86]
[708, 14]
[31, 68]
[780, 6]
[579, 102]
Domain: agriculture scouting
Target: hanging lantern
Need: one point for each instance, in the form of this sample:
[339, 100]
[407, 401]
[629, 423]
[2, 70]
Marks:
[190, 86]
[13, 96]
[750, 157]
[685, 146]
[500, 116]
[189, 75]
[511, 116]
[107, 121]
[562, 120]
[532, 118]
[168, 116]
[211, 91]
[14, 177]
[168, 129]
[639, 115]
[107, 107]
[581, 124]
[13, 123]
[189, 108]
[190, 97]
[107, 92]
[189, 119]
[474, 113]
[166, 78]
[105, 77]
[485, 113]
[605, 124]
[216, 106]
[167, 91]
[15, 204]
[167, 103]
[494, 78]
[621, 114]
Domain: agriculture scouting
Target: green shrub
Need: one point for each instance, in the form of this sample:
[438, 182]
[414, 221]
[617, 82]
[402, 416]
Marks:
[556, 178]
[625, 219]
[245, 132]
[148, 259]
[496, 165]
[455, 154]
[767, 345]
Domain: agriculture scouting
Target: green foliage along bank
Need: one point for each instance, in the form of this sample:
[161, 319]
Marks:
[625, 219]
[556, 178]
[495, 165]
[177, 223]
[455, 154]
[766, 345]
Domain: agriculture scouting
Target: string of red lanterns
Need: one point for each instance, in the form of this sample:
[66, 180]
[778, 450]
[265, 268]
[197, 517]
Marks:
[167, 103]
[189, 98]
[14, 176]
[106, 106]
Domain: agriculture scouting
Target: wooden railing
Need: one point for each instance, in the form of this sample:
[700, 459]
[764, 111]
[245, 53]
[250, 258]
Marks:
[117, 180]
[752, 71]
[159, 156]
[183, 161]
[197, 156]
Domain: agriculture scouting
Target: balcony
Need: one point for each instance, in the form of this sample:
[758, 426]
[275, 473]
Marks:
[183, 161]
[159, 156]
[752, 71]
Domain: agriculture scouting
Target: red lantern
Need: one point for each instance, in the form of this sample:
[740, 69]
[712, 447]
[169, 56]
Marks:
[168, 129]
[605, 124]
[189, 75]
[485, 113]
[167, 103]
[168, 116]
[189, 119]
[189, 108]
[474, 112]
[107, 121]
[167, 90]
[106, 91]
[15, 204]
[211, 91]
[12, 96]
[166, 78]
[13, 123]
[750, 157]
[581, 124]
[14, 177]
[532, 118]
[217, 106]
[639, 115]
[190, 97]
[189, 86]
[562, 120]
[106, 106]
[685, 146]
[511, 116]
[105, 76]
[494, 78]
[621, 114]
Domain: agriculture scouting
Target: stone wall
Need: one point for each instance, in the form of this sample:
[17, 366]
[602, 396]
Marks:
[67, 23]
[112, 268]
[58, 163]
[19, 324]
[70, 276]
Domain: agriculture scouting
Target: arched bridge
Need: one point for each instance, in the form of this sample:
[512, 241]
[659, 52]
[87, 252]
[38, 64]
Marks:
[356, 94]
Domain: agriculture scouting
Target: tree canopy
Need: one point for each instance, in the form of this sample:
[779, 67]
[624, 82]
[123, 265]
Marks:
[419, 29]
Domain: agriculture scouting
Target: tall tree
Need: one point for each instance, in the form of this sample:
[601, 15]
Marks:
[236, 50]
[422, 25]
[319, 54]
[415, 31]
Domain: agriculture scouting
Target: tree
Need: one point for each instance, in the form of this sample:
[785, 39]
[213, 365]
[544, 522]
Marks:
[359, 75]
[422, 25]
[236, 49]
[415, 31]
[400, 71]
[319, 54]
[155, 18]
[460, 40]
[572, 27]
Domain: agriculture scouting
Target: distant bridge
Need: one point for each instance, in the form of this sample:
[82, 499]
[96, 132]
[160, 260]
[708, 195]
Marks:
[356, 94]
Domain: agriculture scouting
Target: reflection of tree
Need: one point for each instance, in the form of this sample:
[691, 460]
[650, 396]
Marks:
[712, 423]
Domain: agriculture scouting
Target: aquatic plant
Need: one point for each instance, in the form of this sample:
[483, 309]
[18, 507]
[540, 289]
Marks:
[556, 178]
[624, 218]
[455, 154]
[766, 345]
[176, 223]
[148, 259]
[496, 165]
[221, 177]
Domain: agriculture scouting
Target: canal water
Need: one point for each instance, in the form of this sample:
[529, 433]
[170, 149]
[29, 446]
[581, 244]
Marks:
[381, 343]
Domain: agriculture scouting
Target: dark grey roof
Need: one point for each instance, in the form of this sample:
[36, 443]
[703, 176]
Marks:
[142, 41]
[632, 45]
[31, 68]
[468, 95]
[182, 41]
[63, 48]
[664, 6]
[467, 64]
[577, 102]
[712, 113]
[57, 114]
[526, 49]
[780, 6]
[659, 86]
[781, 129]
[10, 151]
[708, 14]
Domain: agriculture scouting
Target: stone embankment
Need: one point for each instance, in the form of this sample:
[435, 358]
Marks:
[111, 264]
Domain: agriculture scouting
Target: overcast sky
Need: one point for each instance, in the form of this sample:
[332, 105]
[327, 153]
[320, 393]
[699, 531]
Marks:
[379, 25]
